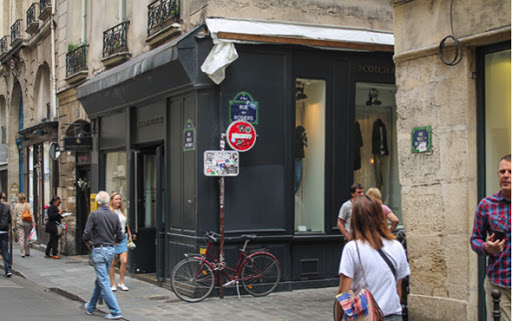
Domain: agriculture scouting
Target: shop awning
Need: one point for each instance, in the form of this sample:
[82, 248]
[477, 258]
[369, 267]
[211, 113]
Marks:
[226, 32]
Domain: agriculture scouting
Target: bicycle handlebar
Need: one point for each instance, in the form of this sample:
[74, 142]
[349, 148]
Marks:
[212, 236]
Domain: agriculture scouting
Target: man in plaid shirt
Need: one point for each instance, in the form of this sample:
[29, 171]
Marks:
[493, 215]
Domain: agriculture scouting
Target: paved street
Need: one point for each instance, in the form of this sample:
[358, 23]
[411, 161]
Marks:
[73, 277]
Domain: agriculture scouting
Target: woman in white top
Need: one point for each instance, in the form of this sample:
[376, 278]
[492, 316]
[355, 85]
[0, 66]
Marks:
[369, 234]
[116, 206]
[23, 227]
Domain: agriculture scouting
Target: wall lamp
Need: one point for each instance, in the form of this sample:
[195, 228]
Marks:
[39, 132]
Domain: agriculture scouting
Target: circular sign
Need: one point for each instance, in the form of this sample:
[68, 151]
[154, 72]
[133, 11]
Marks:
[54, 150]
[241, 136]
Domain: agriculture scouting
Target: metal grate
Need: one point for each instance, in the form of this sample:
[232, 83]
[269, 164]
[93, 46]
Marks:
[115, 39]
[161, 13]
[309, 267]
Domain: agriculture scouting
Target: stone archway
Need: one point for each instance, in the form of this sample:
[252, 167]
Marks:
[14, 140]
[42, 94]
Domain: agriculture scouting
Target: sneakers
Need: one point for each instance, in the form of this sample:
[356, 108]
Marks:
[113, 288]
[122, 287]
[8, 274]
[111, 317]
[86, 306]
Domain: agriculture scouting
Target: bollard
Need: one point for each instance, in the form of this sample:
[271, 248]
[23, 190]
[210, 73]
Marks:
[496, 314]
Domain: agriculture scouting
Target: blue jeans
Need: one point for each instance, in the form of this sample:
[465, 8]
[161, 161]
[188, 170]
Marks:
[4, 246]
[393, 317]
[102, 257]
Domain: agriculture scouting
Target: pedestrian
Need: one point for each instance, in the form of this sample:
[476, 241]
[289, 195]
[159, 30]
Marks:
[388, 213]
[5, 225]
[345, 213]
[116, 206]
[491, 238]
[54, 217]
[363, 266]
[24, 227]
[102, 231]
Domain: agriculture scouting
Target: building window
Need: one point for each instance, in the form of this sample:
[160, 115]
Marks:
[116, 177]
[375, 149]
[309, 155]
[4, 135]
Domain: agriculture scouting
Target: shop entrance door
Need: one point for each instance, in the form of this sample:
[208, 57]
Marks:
[150, 216]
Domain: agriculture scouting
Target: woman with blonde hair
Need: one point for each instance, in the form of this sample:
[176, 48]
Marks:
[116, 206]
[23, 227]
[388, 213]
[363, 263]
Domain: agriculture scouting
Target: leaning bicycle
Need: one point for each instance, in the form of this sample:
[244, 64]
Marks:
[194, 278]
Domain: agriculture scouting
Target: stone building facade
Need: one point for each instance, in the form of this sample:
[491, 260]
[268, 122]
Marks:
[441, 188]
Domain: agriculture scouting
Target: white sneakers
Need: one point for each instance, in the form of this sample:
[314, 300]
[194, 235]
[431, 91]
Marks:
[122, 287]
[113, 287]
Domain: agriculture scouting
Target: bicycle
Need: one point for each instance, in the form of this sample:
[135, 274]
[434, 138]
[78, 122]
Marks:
[193, 278]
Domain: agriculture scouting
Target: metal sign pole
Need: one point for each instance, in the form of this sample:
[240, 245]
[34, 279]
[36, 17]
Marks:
[221, 205]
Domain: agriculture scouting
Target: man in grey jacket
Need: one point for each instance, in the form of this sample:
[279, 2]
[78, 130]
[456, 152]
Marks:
[102, 231]
[5, 223]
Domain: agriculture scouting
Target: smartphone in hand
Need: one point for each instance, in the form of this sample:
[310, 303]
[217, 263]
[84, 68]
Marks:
[499, 235]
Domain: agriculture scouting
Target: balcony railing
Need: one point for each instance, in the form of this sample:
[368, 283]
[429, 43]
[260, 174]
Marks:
[16, 35]
[32, 20]
[45, 9]
[4, 45]
[76, 60]
[161, 13]
[115, 39]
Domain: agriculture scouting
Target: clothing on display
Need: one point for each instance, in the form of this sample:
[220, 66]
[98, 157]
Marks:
[358, 143]
[379, 138]
[301, 141]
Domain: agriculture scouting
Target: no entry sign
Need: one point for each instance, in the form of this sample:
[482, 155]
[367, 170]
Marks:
[241, 136]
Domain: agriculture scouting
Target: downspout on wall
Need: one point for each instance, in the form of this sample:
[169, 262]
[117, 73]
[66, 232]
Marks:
[53, 71]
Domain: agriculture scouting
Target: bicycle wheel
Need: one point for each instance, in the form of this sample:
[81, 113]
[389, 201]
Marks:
[260, 274]
[192, 280]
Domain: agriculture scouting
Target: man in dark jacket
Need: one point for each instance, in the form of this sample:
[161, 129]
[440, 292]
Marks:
[102, 232]
[5, 223]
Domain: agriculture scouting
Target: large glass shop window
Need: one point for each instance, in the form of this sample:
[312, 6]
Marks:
[116, 175]
[375, 150]
[309, 155]
[497, 114]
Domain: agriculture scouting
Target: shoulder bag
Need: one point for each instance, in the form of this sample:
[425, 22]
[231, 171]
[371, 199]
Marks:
[25, 216]
[361, 306]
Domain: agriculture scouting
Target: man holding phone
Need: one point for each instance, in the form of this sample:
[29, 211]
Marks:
[492, 217]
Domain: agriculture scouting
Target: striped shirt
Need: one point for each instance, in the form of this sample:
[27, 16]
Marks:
[493, 213]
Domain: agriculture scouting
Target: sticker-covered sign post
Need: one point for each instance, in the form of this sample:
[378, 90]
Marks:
[241, 136]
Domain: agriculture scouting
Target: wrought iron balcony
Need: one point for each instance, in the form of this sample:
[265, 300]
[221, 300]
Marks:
[115, 39]
[76, 60]
[45, 9]
[16, 32]
[4, 45]
[32, 20]
[162, 13]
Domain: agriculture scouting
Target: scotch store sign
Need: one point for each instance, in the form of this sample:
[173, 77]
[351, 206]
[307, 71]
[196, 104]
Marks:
[78, 144]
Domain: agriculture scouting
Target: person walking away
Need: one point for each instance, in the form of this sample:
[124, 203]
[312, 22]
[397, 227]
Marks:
[5, 224]
[54, 218]
[345, 213]
[24, 226]
[116, 206]
[491, 238]
[388, 213]
[370, 234]
[102, 231]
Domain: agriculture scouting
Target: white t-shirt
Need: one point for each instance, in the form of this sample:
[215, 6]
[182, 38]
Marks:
[381, 282]
[345, 214]
[122, 219]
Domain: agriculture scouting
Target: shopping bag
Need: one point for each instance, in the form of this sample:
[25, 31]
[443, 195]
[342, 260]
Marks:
[33, 235]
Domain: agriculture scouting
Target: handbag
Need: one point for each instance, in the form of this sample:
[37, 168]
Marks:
[361, 306]
[60, 229]
[25, 216]
[131, 245]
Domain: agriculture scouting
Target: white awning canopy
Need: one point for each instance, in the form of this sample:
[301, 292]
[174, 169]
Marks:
[225, 32]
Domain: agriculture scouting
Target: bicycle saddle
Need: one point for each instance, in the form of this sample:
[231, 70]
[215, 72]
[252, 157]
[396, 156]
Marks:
[248, 237]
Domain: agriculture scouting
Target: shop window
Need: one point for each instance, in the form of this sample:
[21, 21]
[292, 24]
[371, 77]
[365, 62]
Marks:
[497, 114]
[31, 175]
[375, 149]
[116, 176]
[309, 155]
[46, 173]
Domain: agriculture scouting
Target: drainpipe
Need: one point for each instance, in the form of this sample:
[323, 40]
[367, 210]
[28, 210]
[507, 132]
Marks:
[53, 71]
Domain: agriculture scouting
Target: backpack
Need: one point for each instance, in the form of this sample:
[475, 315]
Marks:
[25, 216]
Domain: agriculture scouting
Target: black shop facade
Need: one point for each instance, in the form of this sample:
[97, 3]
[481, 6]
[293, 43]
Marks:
[314, 112]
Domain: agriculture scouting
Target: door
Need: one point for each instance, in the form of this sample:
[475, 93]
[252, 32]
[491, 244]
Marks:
[149, 223]
[83, 195]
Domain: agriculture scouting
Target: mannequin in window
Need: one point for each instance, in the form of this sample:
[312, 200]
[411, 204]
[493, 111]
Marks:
[301, 141]
[379, 150]
[358, 143]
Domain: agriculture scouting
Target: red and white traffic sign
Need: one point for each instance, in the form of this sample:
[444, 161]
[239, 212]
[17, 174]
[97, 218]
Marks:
[241, 136]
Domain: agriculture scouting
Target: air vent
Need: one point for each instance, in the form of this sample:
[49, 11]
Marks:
[309, 267]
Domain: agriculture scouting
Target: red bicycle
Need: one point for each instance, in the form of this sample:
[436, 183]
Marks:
[193, 279]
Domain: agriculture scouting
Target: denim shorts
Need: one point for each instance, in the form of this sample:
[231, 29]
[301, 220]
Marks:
[122, 247]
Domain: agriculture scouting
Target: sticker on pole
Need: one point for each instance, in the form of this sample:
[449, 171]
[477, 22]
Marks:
[241, 136]
[221, 163]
